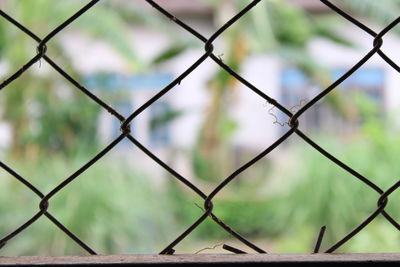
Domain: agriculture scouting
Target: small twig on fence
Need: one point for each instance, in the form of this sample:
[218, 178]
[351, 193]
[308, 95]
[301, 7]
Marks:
[210, 248]
[297, 107]
[275, 117]
[293, 109]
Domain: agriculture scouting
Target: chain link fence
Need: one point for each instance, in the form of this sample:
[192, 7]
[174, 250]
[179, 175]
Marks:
[382, 194]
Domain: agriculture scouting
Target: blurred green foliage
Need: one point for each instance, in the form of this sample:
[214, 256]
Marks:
[309, 191]
[291, 25]
[113, 207]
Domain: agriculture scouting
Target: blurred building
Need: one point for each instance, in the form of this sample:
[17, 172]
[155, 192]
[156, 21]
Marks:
[284, 83]
[257, 128]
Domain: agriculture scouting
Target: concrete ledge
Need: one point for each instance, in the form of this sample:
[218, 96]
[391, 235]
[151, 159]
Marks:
[270, 259]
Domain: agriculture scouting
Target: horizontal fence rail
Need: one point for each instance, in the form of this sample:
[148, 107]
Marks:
[382, 194]
[206, 259]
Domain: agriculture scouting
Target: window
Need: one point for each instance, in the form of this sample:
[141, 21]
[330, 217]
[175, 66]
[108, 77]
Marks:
[160, 116]
[337, 111]
[124, 93]
[112, 82]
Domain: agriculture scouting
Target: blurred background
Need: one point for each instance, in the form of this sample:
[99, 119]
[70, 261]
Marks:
[205, 127]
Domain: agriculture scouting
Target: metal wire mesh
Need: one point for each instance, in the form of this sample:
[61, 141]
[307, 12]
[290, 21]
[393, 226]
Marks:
[292, 118]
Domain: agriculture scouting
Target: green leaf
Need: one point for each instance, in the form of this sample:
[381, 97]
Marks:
[165, 118]
[171, 52]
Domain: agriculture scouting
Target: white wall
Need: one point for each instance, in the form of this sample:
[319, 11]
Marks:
[256, 126]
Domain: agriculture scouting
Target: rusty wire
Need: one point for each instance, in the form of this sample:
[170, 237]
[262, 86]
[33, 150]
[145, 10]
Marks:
[292, 122]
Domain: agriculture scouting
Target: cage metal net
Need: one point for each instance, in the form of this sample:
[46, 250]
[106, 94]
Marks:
[382, 195]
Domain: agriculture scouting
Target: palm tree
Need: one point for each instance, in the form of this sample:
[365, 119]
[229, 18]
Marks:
[273, 27]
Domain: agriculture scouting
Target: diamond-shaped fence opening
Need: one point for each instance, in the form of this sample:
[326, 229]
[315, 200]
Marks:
[128, 120]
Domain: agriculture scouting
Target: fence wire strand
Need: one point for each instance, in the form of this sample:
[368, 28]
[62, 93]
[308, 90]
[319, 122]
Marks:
[292, 116]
